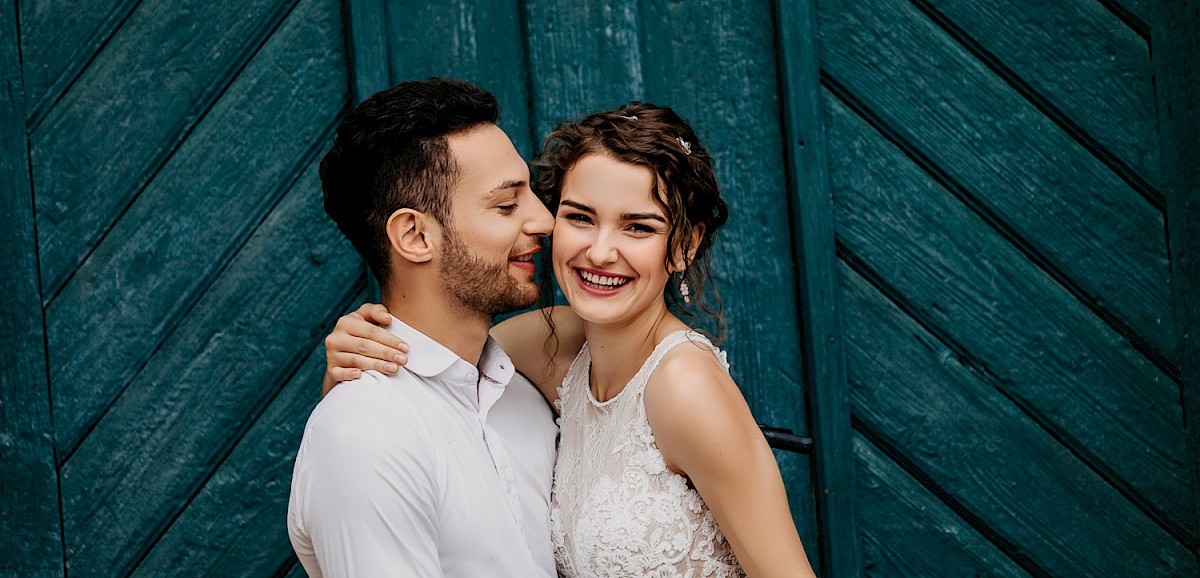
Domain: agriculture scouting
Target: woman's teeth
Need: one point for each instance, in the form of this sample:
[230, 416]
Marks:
[602, 281]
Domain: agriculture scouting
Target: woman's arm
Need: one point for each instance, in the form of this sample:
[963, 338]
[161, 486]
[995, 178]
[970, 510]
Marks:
[359, 342]
[704, 428]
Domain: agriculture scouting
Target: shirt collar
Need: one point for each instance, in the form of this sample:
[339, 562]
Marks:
[428, 358]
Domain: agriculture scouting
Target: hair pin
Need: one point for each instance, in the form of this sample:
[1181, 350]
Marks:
[687, 146]
[634, 117]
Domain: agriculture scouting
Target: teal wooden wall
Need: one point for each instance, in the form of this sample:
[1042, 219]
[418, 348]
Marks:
[948, 260]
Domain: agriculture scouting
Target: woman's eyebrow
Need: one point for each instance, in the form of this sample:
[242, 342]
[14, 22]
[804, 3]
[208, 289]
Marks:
[643, 216]
[580, 206]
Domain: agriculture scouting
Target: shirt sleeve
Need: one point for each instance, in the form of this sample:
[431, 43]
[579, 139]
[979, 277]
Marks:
[365, 495]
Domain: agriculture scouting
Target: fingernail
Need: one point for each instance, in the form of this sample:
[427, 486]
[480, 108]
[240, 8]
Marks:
[391, 368]
[355, 374]
[401, 358]
[402, 347]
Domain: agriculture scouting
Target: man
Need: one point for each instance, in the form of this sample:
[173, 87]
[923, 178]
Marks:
[444, 468]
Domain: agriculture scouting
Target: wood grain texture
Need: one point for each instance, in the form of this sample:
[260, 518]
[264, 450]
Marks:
[128, 112]
[366, 43]
[476, 40]
[714, 62]
[907, 531]
[169, 246]
[1046, 352]
[200, 392]
[1034, 182]
[236, 525]
[821, 327]
[31, 543]
[58, 41]
[583, 57]
[1052, 514]
[1177, 41]
[1081, 58]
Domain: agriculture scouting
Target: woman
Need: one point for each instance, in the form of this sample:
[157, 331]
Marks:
[661, 469]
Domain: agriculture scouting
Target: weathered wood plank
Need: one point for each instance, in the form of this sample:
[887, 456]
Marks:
[31, 543]
[583, 57]
[948, 108]
[167, 248]
[58, 40]
[714, 62]
[141, 464]
[820, 326]
[476, 40]
[906, 531]
[945, 416]
[128, 112]
[235, 525]
[366, 43]
[1080, 57]
[1066, 369]
[1177, 50]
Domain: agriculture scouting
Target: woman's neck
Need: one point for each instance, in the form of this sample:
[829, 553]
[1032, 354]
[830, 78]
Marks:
[618, 350]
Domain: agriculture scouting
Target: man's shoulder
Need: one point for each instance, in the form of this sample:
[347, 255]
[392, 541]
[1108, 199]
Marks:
[372, 403]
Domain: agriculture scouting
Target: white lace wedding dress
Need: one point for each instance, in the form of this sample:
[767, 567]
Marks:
[617, 510]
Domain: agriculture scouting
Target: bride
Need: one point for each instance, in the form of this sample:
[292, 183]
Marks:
[661, 469]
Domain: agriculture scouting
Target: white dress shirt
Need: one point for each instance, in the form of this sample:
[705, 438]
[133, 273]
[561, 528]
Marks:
[435, 471]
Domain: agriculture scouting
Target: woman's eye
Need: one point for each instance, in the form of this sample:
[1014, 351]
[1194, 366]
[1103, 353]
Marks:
[578, 218]
[641, 229]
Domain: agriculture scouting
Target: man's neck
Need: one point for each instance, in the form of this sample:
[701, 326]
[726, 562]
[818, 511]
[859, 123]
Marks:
[460, 330]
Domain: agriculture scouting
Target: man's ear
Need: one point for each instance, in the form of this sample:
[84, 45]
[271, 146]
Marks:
[412, 235]
[680, 263]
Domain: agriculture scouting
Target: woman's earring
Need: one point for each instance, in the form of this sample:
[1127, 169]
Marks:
[683, 289]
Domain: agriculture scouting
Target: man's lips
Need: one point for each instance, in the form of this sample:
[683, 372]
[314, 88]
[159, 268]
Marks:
[524, 260]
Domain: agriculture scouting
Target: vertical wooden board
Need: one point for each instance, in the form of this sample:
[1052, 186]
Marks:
[1080, 57]
[1177, 50]
[236, 525]
[907, 531]
[128, 112]
[167, 433]
[1066, 369]
[31, 543]
[583, 57]
[1039, 186]
[806, 156]
[58, 40]
[714, 63]
[476, 40]
[976, 447]
[129, 294]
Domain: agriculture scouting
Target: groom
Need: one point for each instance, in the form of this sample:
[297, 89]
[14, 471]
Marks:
[444, 468]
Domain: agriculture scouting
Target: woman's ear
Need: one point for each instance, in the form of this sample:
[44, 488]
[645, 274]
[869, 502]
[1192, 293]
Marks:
[680, 263]
[412, 235]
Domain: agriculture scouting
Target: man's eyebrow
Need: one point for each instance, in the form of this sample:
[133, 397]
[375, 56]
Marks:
[506, 185]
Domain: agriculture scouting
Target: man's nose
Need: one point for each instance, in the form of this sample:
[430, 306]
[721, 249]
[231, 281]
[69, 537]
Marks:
[540, 222]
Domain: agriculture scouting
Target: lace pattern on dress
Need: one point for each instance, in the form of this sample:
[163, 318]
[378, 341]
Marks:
[617, 510]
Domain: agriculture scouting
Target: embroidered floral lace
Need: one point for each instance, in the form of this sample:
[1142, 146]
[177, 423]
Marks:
[617, 509]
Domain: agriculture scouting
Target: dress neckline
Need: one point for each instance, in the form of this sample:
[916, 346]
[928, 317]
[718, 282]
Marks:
[646, 368]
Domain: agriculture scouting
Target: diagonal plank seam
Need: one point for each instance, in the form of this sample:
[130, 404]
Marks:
[63, 85]
[205, 105]
[354, 295]
[1133, 21]
[1043, 105]
[1068, 441]
[279, 193]
[1043, 263]
[1012, 551]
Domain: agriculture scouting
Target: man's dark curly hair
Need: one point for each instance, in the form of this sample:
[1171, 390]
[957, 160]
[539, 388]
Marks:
[390, 153]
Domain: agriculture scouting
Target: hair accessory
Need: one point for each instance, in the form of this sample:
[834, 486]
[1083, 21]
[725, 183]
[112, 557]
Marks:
[687, 146]
[634, 117]
[683, 289]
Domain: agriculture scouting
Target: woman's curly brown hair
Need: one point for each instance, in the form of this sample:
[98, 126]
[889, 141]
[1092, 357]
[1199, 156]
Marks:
[685, 188]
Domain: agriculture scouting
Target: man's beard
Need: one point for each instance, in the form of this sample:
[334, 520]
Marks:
[479, 286]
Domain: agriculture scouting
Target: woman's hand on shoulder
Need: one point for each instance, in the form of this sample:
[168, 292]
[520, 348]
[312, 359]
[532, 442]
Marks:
[704, 429]
[359, 342]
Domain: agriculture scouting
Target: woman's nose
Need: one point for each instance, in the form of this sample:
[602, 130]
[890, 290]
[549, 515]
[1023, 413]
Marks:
[602, 251]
